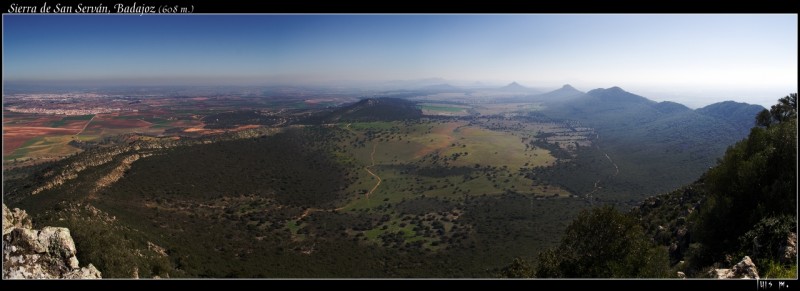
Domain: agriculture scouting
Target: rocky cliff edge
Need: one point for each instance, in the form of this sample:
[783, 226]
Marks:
[48, 253]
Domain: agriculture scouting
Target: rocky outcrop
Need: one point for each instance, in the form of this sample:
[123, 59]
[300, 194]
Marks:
[48, 253]
[745, 269]
[101, 156]
[15, 219]
[119, 171]
[665, 218]
[789, 249]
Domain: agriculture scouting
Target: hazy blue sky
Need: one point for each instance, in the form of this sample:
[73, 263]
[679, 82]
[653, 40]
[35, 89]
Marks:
[693, 59]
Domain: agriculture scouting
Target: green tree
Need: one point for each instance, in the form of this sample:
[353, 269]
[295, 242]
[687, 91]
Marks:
[519, 268]
[764, 118]
[604, 243]
[755, 180]
[786, 108]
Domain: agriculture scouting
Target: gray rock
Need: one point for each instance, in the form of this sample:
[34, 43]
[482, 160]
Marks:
[15, 218]
[789, 249]
[48, 253]
[89, 272]
[745, 269]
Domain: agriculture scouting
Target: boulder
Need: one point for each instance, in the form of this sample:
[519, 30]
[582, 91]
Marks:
[15, 218]
[48, 253]
[745, 269]
[789, 249]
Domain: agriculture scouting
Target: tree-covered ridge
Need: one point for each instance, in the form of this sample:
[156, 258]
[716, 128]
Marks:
[657, 146]
[744, 206]
[376, 109]
[754, 184]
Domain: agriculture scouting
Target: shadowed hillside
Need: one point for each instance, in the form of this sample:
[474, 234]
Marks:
[656, 146]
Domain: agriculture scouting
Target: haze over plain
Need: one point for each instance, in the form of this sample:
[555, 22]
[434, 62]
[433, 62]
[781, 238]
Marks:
[692, 59]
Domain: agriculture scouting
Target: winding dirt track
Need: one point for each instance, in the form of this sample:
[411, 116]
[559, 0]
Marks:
[613, 163]
[372, 157]
[372, 160]
[597, 183]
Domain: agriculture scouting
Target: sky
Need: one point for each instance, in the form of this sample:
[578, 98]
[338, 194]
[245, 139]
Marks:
[692, 59]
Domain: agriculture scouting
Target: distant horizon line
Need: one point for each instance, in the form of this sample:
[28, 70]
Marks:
[387, 86]
[206, 81]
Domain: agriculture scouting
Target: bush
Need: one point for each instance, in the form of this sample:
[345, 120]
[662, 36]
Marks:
[519, 268]
[767, 237]
[604, 243]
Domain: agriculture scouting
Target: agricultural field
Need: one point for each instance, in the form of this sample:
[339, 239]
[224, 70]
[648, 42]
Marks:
[48, 127]
[38, 136]
[151, 123]
[29, 137]
[507, 108]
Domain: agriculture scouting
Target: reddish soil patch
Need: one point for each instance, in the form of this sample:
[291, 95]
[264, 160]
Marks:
[119, 123]
[186, 123]
[12, 143]
[199, 130]
[447, 131]
[14, 137]
[248, 126]
[75, 125]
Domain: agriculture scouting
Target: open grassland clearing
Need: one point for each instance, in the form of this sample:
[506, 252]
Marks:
[444, 109]
[418, 155]
[439, 160]
[501, 108]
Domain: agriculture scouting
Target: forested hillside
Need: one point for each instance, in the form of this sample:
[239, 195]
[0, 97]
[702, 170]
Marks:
[657, 147]
[744, 206]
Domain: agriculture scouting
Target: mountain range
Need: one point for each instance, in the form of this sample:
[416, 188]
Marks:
[665, 144]
[656, 146]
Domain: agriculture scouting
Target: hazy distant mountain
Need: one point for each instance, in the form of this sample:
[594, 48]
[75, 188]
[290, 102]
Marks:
[416, 83]
[616, 94]
[565, 93]
[476, 84]
[739, 115]
[610, 108]
[667, 143]
[670, 107]
[516, 87]
[442, 88]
